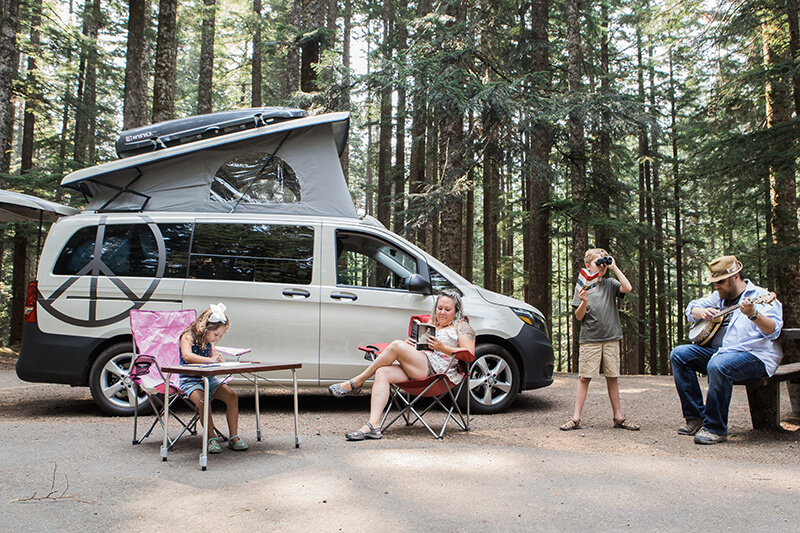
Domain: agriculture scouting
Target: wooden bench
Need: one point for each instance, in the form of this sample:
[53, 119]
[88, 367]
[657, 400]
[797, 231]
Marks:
[764, 395]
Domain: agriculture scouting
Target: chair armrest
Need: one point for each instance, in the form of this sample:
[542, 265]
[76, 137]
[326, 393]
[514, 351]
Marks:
[464, 355]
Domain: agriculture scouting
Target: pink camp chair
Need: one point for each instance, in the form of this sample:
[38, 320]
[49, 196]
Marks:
[156, 336]
[406, 394]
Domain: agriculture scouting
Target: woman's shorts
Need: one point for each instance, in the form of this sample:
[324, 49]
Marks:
[593, 353]
[189, 384]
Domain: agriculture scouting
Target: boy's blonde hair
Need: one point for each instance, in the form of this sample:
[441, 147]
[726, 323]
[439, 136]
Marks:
[592, 253]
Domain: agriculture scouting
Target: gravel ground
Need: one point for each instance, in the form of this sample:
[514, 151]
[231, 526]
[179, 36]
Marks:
[533, 420]
[67, 467]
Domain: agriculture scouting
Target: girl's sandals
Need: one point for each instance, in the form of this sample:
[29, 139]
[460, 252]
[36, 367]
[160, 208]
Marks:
[213, 445]
[374, 433]
[337, 390]
[571, 424]
[236, 443]
[624, 424]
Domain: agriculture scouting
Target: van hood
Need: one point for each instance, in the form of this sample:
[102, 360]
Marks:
[499, 299]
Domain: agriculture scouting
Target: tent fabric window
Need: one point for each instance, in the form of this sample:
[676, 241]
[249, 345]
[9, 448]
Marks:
[256, 178]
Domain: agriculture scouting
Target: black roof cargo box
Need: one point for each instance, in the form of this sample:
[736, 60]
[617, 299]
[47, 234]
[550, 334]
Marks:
[185, 130]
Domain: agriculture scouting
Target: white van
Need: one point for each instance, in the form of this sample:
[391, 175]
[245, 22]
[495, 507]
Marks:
[260, 220]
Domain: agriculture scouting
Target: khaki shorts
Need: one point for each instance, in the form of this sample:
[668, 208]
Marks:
[593, 353]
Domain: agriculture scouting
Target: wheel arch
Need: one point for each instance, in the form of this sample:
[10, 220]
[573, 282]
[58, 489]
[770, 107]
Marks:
[100, 348]
[507, 346]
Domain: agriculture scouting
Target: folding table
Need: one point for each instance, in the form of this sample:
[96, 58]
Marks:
[216, 369]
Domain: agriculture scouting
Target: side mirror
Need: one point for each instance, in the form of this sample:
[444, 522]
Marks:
[417, 283]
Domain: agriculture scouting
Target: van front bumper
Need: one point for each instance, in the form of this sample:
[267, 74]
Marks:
[537, 356]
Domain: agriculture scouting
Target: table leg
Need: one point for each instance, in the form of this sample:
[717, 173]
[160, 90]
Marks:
[296, 410]
[206, 414]
[165, 444]
[258, 410]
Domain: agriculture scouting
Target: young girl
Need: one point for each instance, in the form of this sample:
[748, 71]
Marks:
[197, 347]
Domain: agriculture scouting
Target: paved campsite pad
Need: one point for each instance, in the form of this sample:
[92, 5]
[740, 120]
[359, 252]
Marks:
[517, 468]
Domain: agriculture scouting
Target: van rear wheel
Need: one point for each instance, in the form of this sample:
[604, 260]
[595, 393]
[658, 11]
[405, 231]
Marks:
[494, 379]
[108, 381]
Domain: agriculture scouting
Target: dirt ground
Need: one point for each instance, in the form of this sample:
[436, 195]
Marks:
[67, 467]
[533, 420]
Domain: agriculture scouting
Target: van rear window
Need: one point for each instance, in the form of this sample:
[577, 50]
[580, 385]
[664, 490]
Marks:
[127, 250]
[264, 253]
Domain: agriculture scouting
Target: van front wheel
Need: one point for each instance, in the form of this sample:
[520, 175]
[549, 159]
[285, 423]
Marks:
[108, 380]
[493, 380]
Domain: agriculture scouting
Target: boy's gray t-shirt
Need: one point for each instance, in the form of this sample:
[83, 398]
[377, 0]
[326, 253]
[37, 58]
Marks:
[601, 321]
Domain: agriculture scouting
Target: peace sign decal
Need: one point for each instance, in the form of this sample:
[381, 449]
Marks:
[97, 270]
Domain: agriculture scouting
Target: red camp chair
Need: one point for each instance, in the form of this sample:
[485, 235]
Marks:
[156, 336]
[407, 394]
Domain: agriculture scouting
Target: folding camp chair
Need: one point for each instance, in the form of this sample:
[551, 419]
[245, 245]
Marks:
[407, 395]
[156, 343]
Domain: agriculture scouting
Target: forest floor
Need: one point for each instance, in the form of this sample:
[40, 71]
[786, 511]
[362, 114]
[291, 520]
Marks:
[517, 466]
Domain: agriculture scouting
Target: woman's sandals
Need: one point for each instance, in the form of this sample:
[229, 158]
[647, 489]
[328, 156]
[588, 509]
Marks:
[373, 433]
[337, 390]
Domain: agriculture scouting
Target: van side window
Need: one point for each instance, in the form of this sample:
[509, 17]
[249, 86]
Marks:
[127, 250]
[264, 253]
[440, 283]
[365, 261]
[256, 177]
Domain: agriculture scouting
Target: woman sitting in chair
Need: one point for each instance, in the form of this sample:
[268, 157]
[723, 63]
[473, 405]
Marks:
[401, 361]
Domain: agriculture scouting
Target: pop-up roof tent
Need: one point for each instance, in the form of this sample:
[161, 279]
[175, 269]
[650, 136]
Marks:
[288, 167]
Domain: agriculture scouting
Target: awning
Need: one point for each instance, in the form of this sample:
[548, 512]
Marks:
[17, 207]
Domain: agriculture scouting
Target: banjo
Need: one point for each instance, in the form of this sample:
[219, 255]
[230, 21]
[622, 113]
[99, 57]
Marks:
[704, 330]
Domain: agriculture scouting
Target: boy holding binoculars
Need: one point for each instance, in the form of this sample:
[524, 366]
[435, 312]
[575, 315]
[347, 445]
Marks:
[600, 334]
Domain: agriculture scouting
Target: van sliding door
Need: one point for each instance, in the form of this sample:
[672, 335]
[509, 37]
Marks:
[267, 277]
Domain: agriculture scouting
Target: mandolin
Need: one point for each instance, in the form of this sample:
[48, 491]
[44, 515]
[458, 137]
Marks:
[703, 331]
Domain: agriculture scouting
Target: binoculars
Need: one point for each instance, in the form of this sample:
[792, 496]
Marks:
[607, 260]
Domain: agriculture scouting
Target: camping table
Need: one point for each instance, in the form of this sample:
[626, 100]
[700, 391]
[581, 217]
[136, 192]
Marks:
[216, 369]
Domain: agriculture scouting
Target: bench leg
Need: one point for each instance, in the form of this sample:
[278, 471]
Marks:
[765, 406]
[794, 396]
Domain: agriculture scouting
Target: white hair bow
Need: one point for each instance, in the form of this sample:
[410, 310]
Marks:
[217, 313]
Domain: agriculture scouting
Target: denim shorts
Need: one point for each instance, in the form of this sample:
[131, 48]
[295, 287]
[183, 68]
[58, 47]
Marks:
[189, 384]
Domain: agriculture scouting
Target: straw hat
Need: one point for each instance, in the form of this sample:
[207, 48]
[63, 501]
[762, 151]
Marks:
[723, 268]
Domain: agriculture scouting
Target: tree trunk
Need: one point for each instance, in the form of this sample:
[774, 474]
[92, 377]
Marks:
[491, 201]
[676, 177]
[784, 188]
[310, 45]
[577, 155]
[398, 181]
[166, 56]
[346, 32]
[205, 83]
[256, 76]
[134, 107]
[18, 284]
[9, 23]
[32, 90]
[538, 252]
[86, 112]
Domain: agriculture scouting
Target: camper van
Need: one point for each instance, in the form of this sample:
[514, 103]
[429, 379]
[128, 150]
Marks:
[258, 218]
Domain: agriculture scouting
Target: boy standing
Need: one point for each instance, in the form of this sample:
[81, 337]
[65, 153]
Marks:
[600, 334]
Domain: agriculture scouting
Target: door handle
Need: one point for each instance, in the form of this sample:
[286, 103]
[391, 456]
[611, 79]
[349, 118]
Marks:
[344, 296]
[296, 292]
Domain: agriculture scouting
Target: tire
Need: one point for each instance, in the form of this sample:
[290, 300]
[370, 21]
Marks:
[111, 390]
[494, 380]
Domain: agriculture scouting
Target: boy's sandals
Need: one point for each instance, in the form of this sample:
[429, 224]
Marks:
[374, 433]
[337, 390]
[213, 445]
[571, 424]
[236, 443]
[624, 424]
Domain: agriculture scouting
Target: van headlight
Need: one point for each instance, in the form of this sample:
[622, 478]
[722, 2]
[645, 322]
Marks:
[531, 318]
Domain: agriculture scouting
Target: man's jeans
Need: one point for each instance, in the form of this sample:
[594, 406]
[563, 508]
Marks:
[723, 370]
